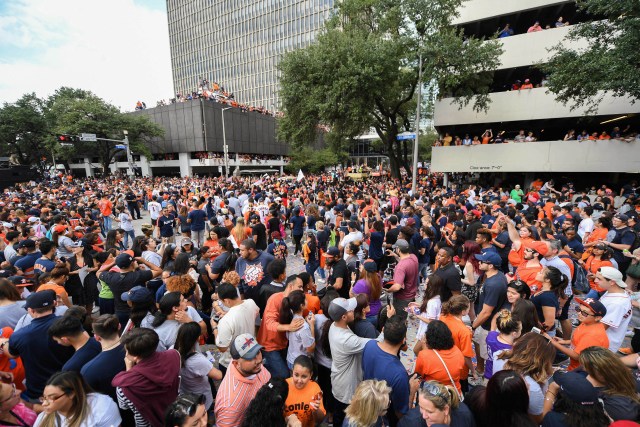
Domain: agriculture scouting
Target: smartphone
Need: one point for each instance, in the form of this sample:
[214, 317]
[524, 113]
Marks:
[357, 265]
[536, 330]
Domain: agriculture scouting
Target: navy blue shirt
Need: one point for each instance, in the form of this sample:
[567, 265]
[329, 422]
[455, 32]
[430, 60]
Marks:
[494, 294]
[99, 371]
[166, 224]
[426, 245]
[298, 224]
[198, 218]
[380, 365]
[83, 355]
[375, 246]
[41, 355]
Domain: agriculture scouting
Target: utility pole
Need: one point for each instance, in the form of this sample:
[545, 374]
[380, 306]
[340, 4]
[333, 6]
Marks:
[225, 147]
[414, 176]
[125, 141]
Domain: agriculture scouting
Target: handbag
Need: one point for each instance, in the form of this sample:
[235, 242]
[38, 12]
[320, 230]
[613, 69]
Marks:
[634, 270]
[453, 383]
[469, 291]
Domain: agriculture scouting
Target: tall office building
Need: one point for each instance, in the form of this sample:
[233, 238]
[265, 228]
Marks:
[239, 43]
[532, 108]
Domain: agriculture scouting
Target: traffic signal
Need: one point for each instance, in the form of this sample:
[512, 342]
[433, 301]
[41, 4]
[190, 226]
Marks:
[66, 138]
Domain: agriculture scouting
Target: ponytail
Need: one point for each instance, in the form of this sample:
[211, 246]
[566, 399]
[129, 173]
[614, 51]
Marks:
[167, 303]
[291, 304]
[558, 280]
[324, 338]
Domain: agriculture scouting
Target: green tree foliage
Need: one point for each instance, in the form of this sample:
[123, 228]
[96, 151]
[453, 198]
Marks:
[610, 61]
[311, 160]
[77, 111]
[362, 71]
[24, 132]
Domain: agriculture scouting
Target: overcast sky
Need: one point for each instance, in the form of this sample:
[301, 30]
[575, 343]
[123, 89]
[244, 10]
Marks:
[118, 49]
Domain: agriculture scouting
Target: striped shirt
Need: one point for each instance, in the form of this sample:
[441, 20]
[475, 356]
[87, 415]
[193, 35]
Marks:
[235, 394]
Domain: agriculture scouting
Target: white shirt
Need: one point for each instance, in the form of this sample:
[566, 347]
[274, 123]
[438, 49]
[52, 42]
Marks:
[351, 237]
[240, 319]
[432, 312]
[586, 226]
[103, 412]
[154, 210]
[9, 252]
[617, 318]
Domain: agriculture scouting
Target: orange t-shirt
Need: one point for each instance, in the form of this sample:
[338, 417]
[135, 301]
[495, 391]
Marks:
[298, 402]
[268, 335]
[461, 338]
[516, 257]
[106, 207]
[313, 304]
[587, 336]
[429, 366]
[528, 276]
[59, 290]
[592, 265]
[12, 365]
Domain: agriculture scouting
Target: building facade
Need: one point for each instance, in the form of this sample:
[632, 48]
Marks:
[522, 104]
[239, 43]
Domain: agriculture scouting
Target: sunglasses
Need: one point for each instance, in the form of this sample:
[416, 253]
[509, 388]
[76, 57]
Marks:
[184, 405]
[433, 390]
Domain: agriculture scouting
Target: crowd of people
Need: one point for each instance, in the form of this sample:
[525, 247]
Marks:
[212, 92]
[503, 137]
[242, 157]
[199, 315]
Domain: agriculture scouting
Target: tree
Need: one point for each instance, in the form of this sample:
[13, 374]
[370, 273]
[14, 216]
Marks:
[76, 111]
[310, 160]
[608, 62]
[24, 131]
[362, 71]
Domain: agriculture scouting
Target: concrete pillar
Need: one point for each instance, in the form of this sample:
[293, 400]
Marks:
[185, 164]
[145, 166]
[281, 170]
[87, 167]
[113, 167]
[445, 179]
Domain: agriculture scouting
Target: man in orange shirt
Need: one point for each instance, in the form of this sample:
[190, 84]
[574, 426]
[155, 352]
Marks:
[590, 332]
[529, 268]
[272, 335]
[106, 209]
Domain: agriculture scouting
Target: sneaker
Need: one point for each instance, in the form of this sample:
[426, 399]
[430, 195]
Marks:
[625, 350]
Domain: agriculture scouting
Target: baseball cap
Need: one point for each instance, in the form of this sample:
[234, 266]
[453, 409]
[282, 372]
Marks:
[576, 387]
[539, 247]
[332, 251]
[613, 274]
[186, 242]
[340, 306]
[20, 281]
[245, 346]
[598, 308]
[490, 257]
[622, 217]
[60, 228]
[370, 266]
[137, 294]
[476, 213]
[124, 260]
[411, 222]
[33, 219]
[27, 243]
[41, 299]
[401, 244]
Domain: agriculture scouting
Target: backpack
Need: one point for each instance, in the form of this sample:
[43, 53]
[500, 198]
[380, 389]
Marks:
[579, 280]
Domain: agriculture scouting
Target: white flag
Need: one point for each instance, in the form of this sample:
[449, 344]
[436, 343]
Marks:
[300, 175]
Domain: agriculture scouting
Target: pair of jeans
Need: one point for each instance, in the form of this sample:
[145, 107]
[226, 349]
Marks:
[276, 363]
[297, 241]
[134, 210]
[197, 237]
[593, 294]
[129, 234]
[311, 267]
[107, 221]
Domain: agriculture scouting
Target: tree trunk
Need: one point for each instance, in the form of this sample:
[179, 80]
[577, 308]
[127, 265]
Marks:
[394, 161]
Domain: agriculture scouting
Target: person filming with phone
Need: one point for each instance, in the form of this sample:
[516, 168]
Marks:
[405, 277]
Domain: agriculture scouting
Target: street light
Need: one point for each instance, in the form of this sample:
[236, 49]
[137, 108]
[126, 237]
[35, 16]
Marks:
[414, 177]
[125, 141]
[225, 147]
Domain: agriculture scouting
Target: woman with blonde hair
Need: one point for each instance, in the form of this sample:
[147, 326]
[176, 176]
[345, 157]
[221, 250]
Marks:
[438, 405]
[368, 404]
[239, 232]
[614, 381]
[531, 357]
[67, 400]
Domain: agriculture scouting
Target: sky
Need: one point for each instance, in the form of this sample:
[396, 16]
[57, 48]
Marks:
[118, 49]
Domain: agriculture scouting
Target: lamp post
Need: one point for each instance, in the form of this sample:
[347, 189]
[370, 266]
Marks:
[225, 147]
[125, 141]
[414, 176]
